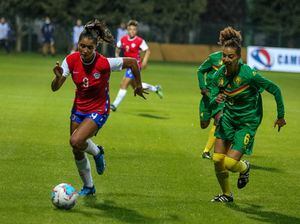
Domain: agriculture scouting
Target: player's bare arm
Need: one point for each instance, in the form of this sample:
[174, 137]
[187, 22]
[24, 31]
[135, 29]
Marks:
[59, 80]
[146, 58]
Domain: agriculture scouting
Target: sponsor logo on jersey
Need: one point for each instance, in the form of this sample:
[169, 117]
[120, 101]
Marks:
[97, 75]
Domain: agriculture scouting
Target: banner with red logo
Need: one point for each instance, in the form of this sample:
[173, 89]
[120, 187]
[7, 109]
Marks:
[274, 59]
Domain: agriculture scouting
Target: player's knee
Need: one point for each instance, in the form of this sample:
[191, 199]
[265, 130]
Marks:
[218, 157]
[76, 142]
[230, 163]
[204, 124]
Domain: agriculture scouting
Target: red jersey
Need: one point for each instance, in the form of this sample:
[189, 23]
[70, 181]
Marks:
[132, 47]
[92, 81]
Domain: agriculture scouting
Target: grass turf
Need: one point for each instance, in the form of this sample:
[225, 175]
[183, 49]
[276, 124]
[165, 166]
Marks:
[155, 173]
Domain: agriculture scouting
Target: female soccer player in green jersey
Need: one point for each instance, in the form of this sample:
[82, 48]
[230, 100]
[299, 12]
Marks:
[237, 85]
[205, 74]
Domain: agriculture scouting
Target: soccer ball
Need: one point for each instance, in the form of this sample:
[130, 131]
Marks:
[64, 196]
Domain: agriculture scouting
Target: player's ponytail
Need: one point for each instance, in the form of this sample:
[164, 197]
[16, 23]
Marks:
[230, 37]
[97, 30]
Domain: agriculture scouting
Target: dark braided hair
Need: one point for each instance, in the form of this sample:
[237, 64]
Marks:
[230, 37]
[97, 31]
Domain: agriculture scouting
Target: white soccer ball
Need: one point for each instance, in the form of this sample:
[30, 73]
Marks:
[64, 196]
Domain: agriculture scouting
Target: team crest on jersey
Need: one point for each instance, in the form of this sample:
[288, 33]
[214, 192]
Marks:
[97, 75]
[221, 82]
[133, 45]
[237, 80]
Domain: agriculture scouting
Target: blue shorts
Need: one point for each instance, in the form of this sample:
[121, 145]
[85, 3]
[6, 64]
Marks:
[128, 74]
[99, 119]
[48, 40]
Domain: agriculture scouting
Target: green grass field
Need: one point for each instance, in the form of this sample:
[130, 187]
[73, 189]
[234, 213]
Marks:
[155, 172]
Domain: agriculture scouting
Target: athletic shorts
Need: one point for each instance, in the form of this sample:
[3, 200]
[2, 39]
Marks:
[241, 135]
[48, 40]
[129, 74]
[99, 119]
[204, 109]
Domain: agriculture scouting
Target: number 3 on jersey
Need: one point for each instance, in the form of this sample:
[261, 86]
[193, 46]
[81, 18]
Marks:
[85, 81]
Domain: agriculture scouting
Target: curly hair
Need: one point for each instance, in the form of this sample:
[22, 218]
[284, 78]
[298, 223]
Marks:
[229, 37]
[97, 31]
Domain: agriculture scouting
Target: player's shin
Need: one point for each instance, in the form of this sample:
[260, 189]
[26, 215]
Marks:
[221, 173]
[235, 165]
[120, 97]
[91, 148]
[149, 87]
[211, 139]
[84, 170]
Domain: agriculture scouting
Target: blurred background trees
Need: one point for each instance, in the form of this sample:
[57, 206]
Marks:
[262, 22]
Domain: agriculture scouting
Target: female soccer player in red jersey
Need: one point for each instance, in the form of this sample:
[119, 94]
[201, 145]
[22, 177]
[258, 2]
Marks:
[90, 72]
[132, 45]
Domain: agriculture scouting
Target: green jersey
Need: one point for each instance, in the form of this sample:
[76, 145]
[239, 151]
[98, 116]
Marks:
[243, 103]
[208, 68]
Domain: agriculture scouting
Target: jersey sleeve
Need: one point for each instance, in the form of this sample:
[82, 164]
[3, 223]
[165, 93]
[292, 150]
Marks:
[116, 64]
[261, 82]
[119, 44]
[144, 46]
[65, 67]
[205, 67]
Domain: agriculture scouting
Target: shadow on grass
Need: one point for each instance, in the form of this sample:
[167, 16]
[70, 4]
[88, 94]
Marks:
[153, 116]
[110, 209]
[269, 169]
[258, 213]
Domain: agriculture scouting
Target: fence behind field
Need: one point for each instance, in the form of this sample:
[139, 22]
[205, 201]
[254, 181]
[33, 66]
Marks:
[193, 53]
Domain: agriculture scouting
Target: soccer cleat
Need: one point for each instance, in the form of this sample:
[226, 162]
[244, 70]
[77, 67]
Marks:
[159, 91]
[222, 198]
[85, 191]
[206, 155]
[113, 108]
[244, 177]
[100, 161]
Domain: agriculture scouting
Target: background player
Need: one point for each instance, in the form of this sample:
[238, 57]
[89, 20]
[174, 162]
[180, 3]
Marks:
[77, 29]
[132, 45]
[238, 86]
[4, 35]
[121, 31]
[48, 37]
[91, 72]
[205, 74]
